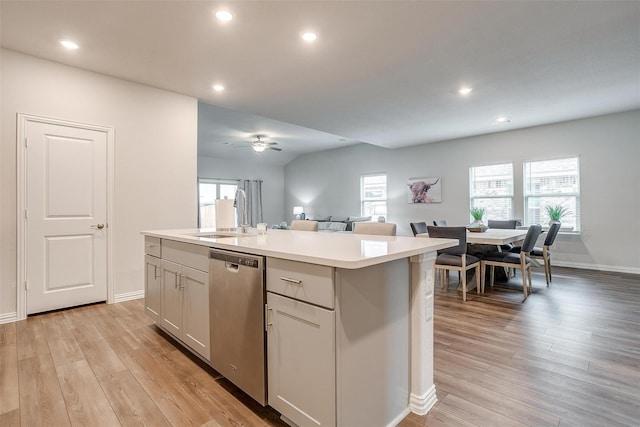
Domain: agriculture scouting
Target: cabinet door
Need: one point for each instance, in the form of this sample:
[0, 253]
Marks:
[196, 310]
[301, 361]
[152, 287]
[171, 312]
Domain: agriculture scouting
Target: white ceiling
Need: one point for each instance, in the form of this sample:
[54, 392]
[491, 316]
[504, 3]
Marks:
[381, 72]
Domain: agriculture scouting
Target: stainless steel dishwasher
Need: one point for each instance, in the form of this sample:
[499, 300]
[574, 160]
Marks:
[236, 303]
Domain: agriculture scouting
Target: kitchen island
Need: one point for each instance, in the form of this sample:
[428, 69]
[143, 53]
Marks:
[348, 318]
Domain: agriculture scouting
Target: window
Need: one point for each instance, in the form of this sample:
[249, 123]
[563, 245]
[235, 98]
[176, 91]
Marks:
[209, 190]
[373, 195]
[552, 182]
[491, 188]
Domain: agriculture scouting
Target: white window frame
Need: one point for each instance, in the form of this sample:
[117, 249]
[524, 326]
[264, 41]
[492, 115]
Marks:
[529, 196]
[366, 202]
[475, 198]
[214, 181]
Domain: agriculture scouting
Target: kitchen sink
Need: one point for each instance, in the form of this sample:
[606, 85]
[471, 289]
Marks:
[219, 234]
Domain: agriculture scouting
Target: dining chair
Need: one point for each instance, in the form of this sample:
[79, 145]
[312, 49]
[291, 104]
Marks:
[303, 225]
[456, 257]
[503, 224]
[376, 228]
[514, 260]
[543, 252]
[440, 222]
[509, 224]
[418, 228]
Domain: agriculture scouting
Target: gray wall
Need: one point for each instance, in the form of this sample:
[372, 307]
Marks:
[609, 148]
[155, 157]
[272, 177]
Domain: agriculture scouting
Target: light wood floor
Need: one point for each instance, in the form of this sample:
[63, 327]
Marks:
[568, 356]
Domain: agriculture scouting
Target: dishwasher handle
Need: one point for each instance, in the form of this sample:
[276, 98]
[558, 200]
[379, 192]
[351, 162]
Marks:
[239, 259]
[232, 267]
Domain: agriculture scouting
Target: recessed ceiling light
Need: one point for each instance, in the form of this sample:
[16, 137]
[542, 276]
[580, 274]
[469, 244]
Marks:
[465, 90]
[502, 119]
[68, 44]
[223, 15]
[218, 88]
[309, 37]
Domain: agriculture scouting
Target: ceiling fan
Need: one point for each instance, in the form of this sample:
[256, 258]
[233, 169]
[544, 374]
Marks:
[259, 146]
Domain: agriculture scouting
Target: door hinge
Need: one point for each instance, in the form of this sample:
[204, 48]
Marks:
[26, 142]
[26, 285]
[26, 214]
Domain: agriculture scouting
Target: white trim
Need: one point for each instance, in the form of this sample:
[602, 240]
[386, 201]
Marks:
[422, 395]
[22, 119]
[401, 416]
[128, 296]
[421, 405]
[8, 317]
[596, 267]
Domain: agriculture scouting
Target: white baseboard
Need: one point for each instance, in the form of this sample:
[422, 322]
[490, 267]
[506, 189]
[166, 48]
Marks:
[399, 418]
[422, 404]
[597, 267]
[127, 296]
[8, 317]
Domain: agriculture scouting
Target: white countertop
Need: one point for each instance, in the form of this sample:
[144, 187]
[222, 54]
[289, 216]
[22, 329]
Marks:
[340, 250]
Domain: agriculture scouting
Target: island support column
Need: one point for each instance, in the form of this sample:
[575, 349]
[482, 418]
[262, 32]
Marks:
[423, 389]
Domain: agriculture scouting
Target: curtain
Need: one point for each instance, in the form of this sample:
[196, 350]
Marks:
[253, 191]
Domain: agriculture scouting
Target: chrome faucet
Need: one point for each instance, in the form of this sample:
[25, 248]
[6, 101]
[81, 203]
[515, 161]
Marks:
[244, 226]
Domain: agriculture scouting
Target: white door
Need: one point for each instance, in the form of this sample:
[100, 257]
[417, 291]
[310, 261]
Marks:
[66, 215]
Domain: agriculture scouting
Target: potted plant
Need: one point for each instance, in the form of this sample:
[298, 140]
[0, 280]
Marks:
[556, 212]
[477, 214]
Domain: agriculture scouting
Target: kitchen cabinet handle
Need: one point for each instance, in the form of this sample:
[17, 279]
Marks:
[155, 272]
[267, 317]
[292, 281]
[177, 285]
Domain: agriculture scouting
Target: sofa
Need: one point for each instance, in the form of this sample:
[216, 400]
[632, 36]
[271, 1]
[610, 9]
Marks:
[334, 223]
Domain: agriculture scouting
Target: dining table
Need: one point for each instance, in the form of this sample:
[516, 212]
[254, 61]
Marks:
[491, 236]
[496, 236]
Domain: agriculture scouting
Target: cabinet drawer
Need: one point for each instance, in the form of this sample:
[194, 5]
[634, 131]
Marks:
[152, 246]
[194, 256]
[305, 282]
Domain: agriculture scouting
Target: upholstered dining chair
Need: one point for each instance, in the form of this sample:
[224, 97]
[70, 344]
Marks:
[304, 225]
[510, 224]
[455, 258]
[377, 228]
[418, 227]
[513, 260]
[543, 252]
[440, 222]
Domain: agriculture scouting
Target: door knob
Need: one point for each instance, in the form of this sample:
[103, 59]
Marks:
[98, 226]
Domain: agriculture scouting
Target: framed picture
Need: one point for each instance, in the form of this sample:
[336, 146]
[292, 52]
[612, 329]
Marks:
[425, 190]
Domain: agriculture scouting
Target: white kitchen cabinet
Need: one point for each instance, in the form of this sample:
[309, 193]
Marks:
[152, 287]
[337, 340]
[172, 298]
[152, 277]
[185, 305]
[301, 359]
[195, 305]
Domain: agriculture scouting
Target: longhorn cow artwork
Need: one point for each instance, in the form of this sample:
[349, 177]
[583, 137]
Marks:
[425, 190]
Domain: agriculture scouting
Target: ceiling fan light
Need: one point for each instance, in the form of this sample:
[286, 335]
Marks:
[259, 147]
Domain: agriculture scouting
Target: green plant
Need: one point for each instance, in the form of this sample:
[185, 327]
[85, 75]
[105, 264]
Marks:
[556, 212]
[477, 213]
